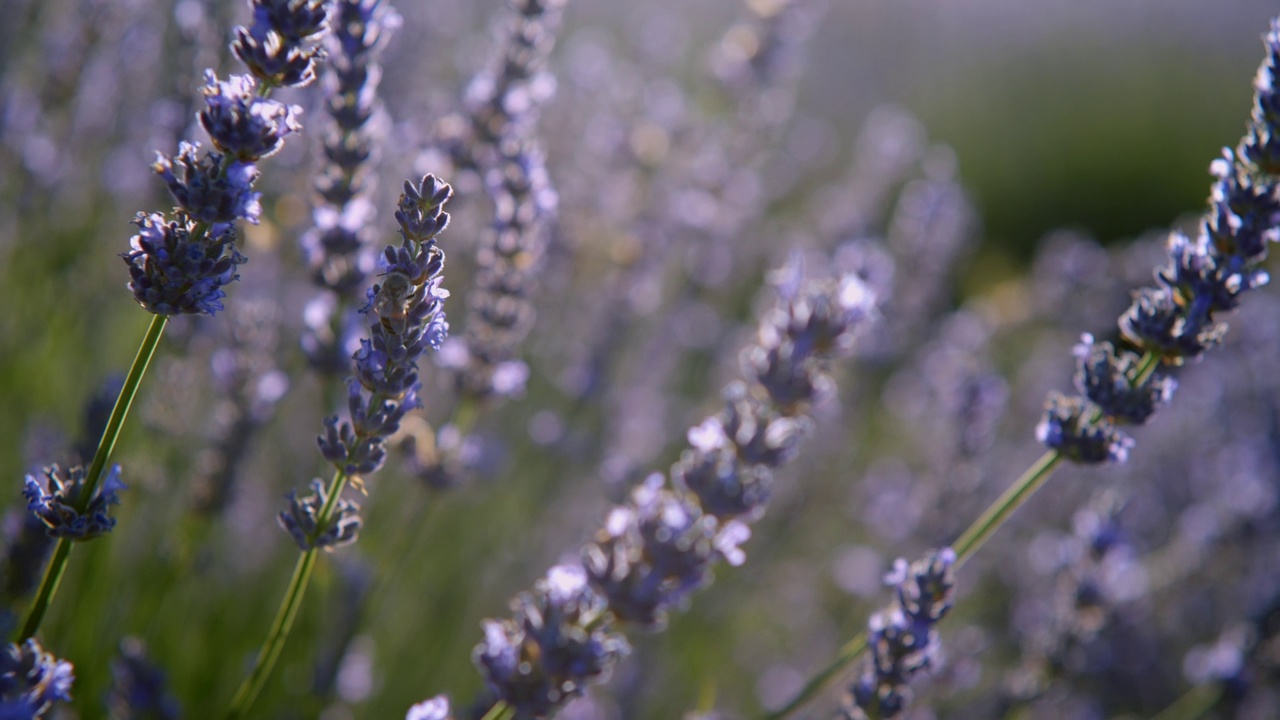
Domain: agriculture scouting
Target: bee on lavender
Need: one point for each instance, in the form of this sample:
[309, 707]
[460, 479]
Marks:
[392, 301]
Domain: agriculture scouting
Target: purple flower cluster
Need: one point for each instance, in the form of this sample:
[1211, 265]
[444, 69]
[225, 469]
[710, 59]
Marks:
[180, 265]
[903, 639]
[338, 247]
[1176, 320]
[655, 550]
[31, 680]
[56, 503]
[406, 319]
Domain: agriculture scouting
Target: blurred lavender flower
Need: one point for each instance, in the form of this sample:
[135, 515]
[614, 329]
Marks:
[138, 688]
[655, 550]
[31, 680]
[56, 506]
[903, 639]
[560, 639]
[436, 708]
[337, 246]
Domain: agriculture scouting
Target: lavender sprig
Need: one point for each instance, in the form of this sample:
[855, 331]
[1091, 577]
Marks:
[655, 550]
[338, 247]
[1175, 321]
[180, 264]
[903, 638]
[406, 319]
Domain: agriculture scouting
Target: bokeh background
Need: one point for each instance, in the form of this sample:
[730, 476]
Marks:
[1003, 172]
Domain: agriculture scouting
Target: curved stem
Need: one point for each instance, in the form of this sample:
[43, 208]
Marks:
[283, 623]
[107, 444]
[1193, 704]
[969, 542]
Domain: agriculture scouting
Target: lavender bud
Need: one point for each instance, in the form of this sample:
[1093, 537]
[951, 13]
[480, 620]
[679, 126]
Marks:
[300, 520]
[174, 271]
[559, 639]
[138, 688]
[56, 508]
[31, 680]
[436, 708]
[1104, 376]
[210, 189]
[1068, 426]
[273, 47]
[240, 122]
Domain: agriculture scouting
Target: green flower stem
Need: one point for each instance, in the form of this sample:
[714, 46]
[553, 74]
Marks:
[969, 542]
[1193, 704]
[288, 612]
[107, 444]
[499, 710]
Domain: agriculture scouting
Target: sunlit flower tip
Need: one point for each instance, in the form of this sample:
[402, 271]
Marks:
[173, 272]
[1068, 427]
[301, 520]
[436, 708]
[420, 212]
[210, 189]
[55, 503]
[1261, 146]
[31, 680]
[240, 122]
[278, 48]
[1105, 377]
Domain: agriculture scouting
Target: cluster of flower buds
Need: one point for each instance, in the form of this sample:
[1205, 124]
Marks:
[1178, 319]
[58, 505]
[180, 264]
[31, 680]
[903, 638]
[655, 550]
[406, 318]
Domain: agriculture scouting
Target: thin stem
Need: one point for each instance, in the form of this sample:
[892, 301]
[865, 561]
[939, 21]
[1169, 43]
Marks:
[1004, 506]
[1193, 704]
[848, 654]
[283, 623]
[969, 542]
[58, 565]
[276, 637]
[498, 710]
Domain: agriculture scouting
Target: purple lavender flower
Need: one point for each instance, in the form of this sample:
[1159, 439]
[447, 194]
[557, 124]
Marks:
[175, 269]
[656, 549]
[1176, 321]
[275, 47]
[57, 505]
[31, 680]
[212, 188]
[406, 318]
[903, 639]
[560, 638]
[301, 520]
[241, 122]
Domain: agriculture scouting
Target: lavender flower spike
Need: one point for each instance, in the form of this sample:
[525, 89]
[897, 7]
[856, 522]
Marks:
[903, 638]
[436, 708]
[405, 319]
[1176, 320]
[655, 550]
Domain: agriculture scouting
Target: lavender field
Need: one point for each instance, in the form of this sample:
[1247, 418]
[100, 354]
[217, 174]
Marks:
[763, 359]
